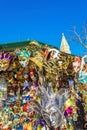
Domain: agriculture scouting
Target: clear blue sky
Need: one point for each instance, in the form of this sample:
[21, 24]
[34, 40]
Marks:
[42, 20]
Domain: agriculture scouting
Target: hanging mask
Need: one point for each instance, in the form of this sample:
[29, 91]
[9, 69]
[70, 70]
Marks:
[52, 106]
[54, 53]
[83, 70]
[5, 59]
[23, 57]
[76, 64]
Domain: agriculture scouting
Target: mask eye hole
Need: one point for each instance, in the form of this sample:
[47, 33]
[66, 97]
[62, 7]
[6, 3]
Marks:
[24, 59]
[46, 117]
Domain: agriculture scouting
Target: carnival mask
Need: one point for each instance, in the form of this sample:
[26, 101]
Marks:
[4, 61]
[83, 70]
[23, 61]
[76, 64]
[52, 105]
[23, 57]
[54, 53]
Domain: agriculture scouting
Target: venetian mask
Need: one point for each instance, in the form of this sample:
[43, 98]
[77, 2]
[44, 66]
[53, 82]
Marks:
[54, 118]
[76, 64]
[83, 70]
[54, 53]
[23, 57]
[52, 106]
[23, 61]
[4, 61]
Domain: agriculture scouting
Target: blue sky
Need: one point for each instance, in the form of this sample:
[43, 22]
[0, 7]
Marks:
[42, 20]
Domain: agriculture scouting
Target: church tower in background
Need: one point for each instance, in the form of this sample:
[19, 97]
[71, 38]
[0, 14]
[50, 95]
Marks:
[64, 47]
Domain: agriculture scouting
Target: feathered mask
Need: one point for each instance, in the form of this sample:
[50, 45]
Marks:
[5, 59]
[23, 56]
[51, 107]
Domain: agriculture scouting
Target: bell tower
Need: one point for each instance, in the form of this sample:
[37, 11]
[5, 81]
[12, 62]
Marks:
[64, 47]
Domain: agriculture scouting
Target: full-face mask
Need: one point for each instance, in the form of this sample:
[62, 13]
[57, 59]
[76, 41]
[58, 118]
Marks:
[5, 59]
[23, 57]
[51, 107]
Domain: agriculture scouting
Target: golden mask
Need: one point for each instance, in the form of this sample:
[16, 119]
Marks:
[4, 61]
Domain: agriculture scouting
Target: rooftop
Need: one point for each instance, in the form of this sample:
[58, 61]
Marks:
[21, 44]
